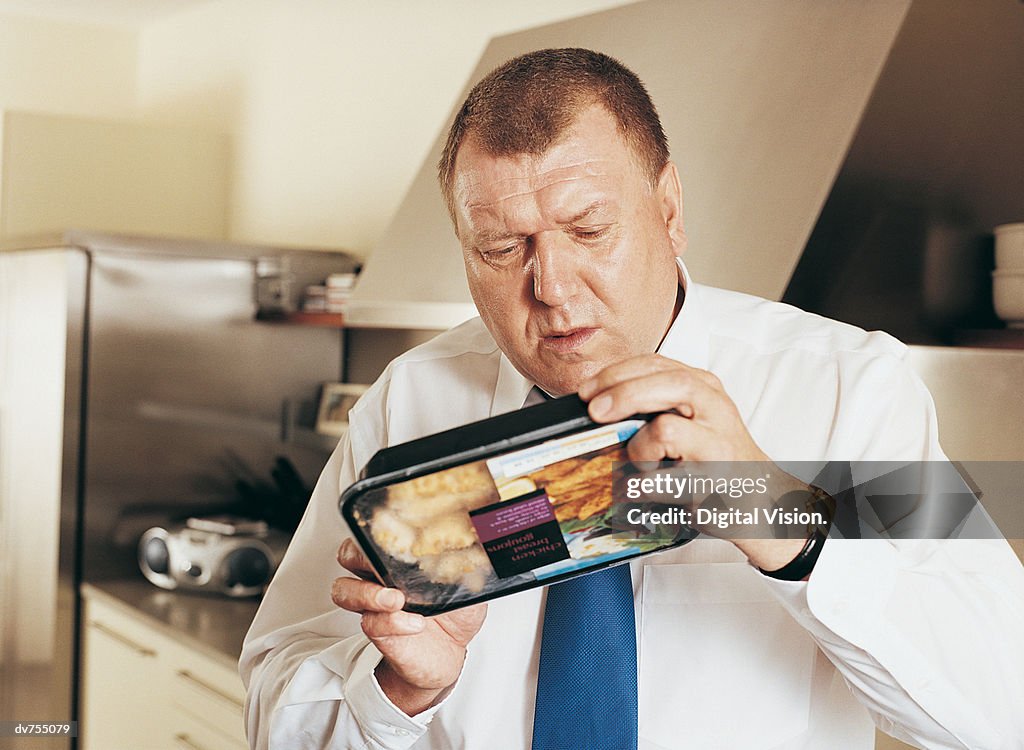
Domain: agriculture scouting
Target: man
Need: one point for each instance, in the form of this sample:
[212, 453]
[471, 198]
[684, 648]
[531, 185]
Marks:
[569, 213]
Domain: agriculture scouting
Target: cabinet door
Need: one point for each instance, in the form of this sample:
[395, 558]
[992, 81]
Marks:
[124, 695]
[207, 691]
[189, 733]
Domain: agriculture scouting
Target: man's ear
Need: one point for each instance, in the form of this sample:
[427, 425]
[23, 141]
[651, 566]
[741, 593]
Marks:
[670, 198]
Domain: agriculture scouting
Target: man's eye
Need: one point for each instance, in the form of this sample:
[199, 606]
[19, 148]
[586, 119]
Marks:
[499, 254]
[589, 233]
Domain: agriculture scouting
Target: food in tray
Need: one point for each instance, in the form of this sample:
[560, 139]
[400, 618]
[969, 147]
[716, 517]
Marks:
[581, 487]
[469, 567]
[425, 522]
[533, 503]
[452, 531]
[393, 535]
[498, 523]
[422, 500]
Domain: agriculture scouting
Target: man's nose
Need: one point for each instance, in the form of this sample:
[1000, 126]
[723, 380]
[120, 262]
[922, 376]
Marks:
[555, 269]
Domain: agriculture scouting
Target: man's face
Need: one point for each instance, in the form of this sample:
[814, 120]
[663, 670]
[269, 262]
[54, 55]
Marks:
[570, 255]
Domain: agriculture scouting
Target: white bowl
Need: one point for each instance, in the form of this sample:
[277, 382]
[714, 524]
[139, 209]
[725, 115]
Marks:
[1010, 246]
[1008, 296]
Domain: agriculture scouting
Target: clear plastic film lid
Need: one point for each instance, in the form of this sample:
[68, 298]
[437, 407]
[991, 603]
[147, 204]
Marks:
[499, 506]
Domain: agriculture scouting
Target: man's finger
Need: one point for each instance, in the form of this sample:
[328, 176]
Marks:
[388, 624]
[365, 596]
[666, 390]
[668, 436]
[628, 369]
[351, 558]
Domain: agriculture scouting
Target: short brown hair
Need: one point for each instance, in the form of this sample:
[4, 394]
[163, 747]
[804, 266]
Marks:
[523, 106]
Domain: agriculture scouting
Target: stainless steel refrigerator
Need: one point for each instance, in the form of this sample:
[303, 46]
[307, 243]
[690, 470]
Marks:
[178, 397]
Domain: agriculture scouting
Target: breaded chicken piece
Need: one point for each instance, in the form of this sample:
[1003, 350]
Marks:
[448, 533]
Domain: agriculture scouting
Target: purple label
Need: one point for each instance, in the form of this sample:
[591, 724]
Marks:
[520, 534]
[510, 516]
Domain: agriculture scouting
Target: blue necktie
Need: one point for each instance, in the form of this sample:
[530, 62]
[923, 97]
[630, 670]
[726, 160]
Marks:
[586, 687]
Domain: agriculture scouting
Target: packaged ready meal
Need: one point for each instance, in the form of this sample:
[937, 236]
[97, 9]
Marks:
[498, 506]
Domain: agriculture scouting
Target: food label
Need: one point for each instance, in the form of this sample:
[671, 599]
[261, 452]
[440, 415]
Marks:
[524, 461]
[520, 534]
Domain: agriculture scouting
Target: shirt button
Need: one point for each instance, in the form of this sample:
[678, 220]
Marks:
[402, 732]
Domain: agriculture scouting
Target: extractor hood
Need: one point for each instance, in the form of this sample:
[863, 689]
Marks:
[759, 100]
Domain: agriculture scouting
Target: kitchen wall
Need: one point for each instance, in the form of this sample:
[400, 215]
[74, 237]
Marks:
[67, 68]
[332, 109]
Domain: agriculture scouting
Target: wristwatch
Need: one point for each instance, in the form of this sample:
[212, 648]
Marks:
[821, 505]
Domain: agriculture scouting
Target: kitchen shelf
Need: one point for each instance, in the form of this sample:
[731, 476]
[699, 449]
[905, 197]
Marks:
[324, 320]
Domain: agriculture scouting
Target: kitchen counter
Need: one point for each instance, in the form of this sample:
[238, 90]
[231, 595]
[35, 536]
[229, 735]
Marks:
[212, 625]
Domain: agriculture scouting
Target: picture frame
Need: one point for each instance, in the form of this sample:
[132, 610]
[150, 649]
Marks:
[335, 401]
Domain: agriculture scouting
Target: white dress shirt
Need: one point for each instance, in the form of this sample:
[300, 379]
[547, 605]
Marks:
[922, 638]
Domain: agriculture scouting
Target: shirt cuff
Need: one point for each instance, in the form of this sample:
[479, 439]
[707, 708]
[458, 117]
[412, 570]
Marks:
[380, 719]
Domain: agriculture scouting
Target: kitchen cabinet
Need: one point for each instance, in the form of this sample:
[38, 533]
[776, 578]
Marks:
[143, 689]
[122, 676]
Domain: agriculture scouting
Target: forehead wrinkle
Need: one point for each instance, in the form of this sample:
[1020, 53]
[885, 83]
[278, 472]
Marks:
[536, 180]
[525, 193]
[503, 219]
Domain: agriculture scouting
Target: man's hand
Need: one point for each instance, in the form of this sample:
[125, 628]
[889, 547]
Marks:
[423, 656]
[700, 423]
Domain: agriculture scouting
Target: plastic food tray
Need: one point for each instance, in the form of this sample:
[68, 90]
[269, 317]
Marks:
[505, 504]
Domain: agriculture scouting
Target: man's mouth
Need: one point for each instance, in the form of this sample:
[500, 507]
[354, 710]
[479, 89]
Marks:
[567, 340]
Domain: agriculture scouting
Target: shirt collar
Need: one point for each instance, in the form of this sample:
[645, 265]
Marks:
[688, 338]
[510, 389]
[686, 341]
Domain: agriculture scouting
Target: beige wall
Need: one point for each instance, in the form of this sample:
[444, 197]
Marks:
[59, 172]
[332, 104]
[332, 107]
[64, 68]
